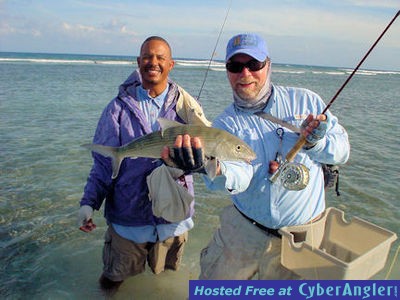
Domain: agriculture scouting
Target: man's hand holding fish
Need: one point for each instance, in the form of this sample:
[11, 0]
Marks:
[188, 155]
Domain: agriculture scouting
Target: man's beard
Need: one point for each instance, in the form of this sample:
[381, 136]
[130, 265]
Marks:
[251, 103]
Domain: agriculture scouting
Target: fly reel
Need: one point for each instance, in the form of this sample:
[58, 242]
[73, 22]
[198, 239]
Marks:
[294, 176]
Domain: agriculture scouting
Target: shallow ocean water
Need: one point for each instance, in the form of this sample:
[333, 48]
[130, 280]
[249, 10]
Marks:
[49, 108]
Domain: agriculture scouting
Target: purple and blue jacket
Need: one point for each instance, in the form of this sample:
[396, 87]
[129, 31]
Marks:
[127, 201]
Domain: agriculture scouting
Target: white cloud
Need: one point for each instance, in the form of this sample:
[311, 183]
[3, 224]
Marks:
[36, 33]
[375, 3]
[296, 30]
[66, 26]
[78, 29]
[6, 28]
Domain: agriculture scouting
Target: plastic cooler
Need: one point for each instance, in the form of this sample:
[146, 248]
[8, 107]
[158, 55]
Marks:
[348, 250]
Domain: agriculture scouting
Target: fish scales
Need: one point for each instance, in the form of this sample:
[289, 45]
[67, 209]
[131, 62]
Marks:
[151, 144]
[216, 143]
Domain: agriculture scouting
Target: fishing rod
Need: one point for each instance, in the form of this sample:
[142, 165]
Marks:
[302, 140]
[360, 63]
[215, 48]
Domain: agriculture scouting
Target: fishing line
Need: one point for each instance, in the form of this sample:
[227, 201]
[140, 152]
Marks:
[300, 143]
[340, 90]
[215, 48]
[302, 140]
[360, 63]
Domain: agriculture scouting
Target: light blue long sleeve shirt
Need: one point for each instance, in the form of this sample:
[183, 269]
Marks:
[141, 234]
[251, 191]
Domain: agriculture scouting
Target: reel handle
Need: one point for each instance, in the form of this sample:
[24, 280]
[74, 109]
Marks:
[296, 148]
[289, 158]
[278, 171]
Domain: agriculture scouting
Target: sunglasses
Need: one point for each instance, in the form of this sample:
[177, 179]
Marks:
[252, 65]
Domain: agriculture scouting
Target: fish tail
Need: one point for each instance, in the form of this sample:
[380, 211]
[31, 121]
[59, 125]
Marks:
[108, 151]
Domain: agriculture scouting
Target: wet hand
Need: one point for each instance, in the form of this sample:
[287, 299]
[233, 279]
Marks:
[187, 154]
[85, 221]
[314, 129]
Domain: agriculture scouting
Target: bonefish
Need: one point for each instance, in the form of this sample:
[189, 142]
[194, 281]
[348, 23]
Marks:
[217, 143]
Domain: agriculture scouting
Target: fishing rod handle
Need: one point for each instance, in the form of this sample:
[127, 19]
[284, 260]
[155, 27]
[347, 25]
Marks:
[289, 158]
[296, 148]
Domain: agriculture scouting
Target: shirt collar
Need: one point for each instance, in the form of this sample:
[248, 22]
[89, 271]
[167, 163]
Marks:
[143, 95]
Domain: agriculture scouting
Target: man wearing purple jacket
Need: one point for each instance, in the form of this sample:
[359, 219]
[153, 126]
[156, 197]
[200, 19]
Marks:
[135, 235]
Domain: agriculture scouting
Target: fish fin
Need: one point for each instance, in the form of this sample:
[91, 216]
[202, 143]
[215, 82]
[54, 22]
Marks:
[108, 151]
[166, 123]
[210, 165]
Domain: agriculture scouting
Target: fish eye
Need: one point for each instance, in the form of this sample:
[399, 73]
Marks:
[238, 148]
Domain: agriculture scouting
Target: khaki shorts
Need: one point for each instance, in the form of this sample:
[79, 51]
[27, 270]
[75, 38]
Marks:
[239, 250]
[123, 258]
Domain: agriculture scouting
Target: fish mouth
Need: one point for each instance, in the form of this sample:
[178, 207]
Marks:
[250, 159]
[254, 157]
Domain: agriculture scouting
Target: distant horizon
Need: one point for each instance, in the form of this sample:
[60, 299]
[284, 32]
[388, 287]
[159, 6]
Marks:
[313, 32]
[196, 58]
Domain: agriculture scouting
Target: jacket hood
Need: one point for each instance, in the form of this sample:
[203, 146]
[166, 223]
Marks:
[133, 80]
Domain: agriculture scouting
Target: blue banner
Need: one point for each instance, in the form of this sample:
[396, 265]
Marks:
[294, 289]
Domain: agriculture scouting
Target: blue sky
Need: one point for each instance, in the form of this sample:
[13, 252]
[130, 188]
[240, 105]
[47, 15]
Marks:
[326, 33]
